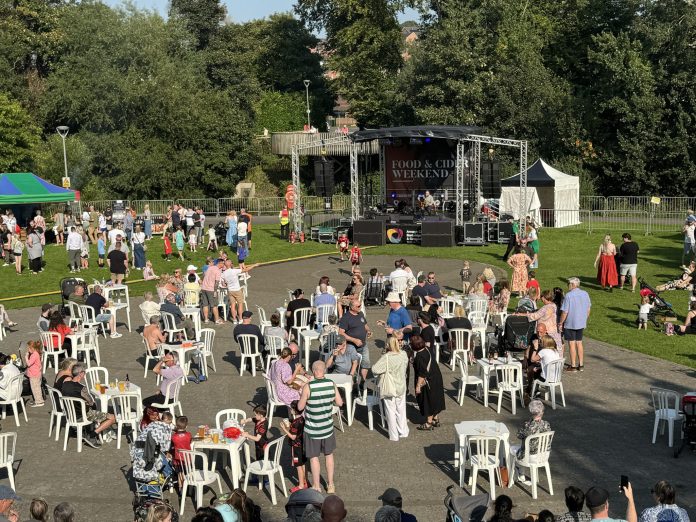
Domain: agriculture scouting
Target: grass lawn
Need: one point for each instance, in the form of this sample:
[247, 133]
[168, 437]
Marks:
[564, 253]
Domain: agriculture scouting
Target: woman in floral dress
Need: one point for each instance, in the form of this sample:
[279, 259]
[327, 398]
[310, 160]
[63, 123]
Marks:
[519, 262]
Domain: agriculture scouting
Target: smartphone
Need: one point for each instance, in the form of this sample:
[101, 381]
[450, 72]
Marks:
[624, 483]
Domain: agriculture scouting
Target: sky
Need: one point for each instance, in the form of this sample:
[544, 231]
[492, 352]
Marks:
[239, 10]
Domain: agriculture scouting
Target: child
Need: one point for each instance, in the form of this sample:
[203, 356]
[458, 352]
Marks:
[342, 245]
[149, 272]
[532, 282]
[192, 239]
[101, 249]
[295, 431]
[179, 240]
[167, 245]
[33, 371]
[465, 275]
[645, 307]
[181, 440]
[242, 253]
[39, 510]
[260, 436]
[355, 258]
[84, 253]
[212, 239]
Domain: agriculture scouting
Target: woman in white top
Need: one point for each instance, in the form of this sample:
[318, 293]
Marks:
[392, 387]
[138, 243]
[329, 289]
[147, 222]
[7, 371]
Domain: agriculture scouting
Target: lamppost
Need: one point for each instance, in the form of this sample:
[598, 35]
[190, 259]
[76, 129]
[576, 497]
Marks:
[306, 84]
[62, 130]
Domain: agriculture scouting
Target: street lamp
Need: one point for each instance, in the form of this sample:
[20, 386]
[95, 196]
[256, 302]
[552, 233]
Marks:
[62, 130]
[306, 84]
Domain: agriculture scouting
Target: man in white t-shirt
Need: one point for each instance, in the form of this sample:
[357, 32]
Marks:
[116, 231]
[230, 279]
[242, 228]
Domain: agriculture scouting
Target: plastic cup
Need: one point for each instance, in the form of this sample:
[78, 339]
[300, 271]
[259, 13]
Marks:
[121, 386]
[216, 436]
[102, 389]
[201, 431]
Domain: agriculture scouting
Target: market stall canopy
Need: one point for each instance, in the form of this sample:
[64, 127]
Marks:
[541, 174]
[24, 187]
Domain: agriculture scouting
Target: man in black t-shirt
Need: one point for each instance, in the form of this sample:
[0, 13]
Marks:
[629, 260]
[246, 327]
[297, 303]
[420, 291]
[96, 301]
[118, 263]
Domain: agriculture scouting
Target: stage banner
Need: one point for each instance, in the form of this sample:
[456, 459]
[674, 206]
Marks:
[419, 167]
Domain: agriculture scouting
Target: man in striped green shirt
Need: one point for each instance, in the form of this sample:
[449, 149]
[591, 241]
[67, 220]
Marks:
[317, 401]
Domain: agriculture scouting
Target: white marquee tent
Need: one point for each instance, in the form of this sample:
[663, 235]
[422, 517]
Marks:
[553, 198]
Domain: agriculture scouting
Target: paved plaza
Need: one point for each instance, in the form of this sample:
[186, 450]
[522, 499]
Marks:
[605, 430]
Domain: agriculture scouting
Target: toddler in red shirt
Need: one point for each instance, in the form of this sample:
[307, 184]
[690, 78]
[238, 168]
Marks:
[181, 440]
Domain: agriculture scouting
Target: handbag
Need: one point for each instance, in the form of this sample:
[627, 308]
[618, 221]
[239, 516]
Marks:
[387, 386]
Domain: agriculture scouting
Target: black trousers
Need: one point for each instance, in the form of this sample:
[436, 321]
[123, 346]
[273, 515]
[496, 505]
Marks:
[511, 246]
[284, 231]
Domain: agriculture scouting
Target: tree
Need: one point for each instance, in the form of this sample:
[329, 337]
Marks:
[18, 136]
[49, 161]
[280, 112]
[202, 18]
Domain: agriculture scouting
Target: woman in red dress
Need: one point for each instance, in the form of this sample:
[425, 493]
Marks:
[605, 263]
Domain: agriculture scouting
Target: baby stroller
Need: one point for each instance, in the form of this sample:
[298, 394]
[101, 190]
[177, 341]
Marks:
[462, 507]
[516, 334]
[661, 309]
[221, 233]
[67, 287]
[299, 500]
[152, 471]
[688, 424]
[374, 293]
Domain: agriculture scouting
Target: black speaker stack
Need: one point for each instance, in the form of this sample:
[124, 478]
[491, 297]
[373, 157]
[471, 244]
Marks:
[369, 232]
[437, 233]
[504, 232]
[474, 234]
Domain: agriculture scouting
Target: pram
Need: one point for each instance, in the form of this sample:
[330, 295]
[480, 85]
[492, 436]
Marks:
[67, 287]
[152, 471]
[516, 334]
[661, 309]
[688, 406]
[374, 294]
[299, 500]
[462, 507]
[220, 234]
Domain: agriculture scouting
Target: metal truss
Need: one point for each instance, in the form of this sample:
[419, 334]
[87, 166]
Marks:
[459, 184]
[354, 185]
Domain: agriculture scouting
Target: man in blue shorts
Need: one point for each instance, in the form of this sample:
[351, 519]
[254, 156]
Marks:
[575, 311]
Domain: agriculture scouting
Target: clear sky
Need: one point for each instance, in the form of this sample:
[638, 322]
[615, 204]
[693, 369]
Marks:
[238, 10]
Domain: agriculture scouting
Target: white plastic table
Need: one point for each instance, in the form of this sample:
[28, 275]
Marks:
[466, 429]
[232, 447]
[306, 338]
[341, 380]
[184, 352]
[485, 368]
[103, 398]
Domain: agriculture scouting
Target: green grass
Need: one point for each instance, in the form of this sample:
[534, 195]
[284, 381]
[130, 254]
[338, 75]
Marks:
[266, 246]
[564, 253]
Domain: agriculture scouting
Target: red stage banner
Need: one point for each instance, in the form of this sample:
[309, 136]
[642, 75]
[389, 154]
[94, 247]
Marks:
[426, 166]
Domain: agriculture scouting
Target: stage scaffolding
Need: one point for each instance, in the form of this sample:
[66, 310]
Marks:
[475, 155]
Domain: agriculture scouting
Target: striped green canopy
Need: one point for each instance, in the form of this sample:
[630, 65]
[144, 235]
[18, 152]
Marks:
[25, 187]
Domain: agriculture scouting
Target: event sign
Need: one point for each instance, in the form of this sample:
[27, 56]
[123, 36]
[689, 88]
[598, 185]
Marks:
[427, 166]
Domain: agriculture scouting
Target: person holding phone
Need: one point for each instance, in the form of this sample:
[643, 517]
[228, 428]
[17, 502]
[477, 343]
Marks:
[597, 501]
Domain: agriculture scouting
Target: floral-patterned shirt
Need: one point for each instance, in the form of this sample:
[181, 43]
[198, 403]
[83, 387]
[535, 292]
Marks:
[531, 427]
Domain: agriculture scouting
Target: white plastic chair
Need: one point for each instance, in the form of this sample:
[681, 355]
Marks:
[273, 401]
[447, 304]
[484, 455]
[479, 325]
[553, 372]
[231, 413]
[477, 304]
[13, 397]
[666, 405]
[57, 414]
[274, 345]
[170, 327]
[75, 314]
[223, 302]
[171, 398]
[323, 313]
[89, 319]
[462, 339]
[440, 342]
[369, 400]
[537, 449]
[88, 344]
[75, 417]
[149, 357]
[8, 441]
[263, 320]
[146, 315]
[94, 375]
[191, 298]
[508, 381]
[49, 340]
[249, 349]
[208, 339]
[467, 380]
[196, 477]
[268, 467]
[126, 407]
[300, 321]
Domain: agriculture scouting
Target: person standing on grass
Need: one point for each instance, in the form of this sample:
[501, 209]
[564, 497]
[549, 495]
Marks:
[575, 311]
[284, 217]
[514, 238]
[317, 401]
[629, 260]
[73, 245]
[245, 217]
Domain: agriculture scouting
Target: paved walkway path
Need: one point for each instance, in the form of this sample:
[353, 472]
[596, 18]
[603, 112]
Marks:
[604, 432]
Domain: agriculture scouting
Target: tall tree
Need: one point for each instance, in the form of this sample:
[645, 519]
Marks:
[201, 17]
[18, 136]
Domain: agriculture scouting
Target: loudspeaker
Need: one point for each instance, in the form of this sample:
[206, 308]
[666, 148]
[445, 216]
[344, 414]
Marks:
[368, 232]
[492, 231]
[437, 234]
[504, 232]
[324, 177]
[474, 234]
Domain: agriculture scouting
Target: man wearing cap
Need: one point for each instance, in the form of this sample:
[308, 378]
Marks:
[209, 288]
[353, 326]
[7, 500]
[246, 327]
[392, 497]
[343, 359]
[398, 320]
[597, 501]
[169, 306]
[192, 288]
[191, 269]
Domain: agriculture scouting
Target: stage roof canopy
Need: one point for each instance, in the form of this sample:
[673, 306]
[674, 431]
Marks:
[449, 132]
[25, 187]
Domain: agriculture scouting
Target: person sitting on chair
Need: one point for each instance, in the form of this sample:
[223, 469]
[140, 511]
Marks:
[246, 327]
[540, 357]
[153, 335]
[343, 359]
[168, 368]
[169, 306]
[97, 302]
